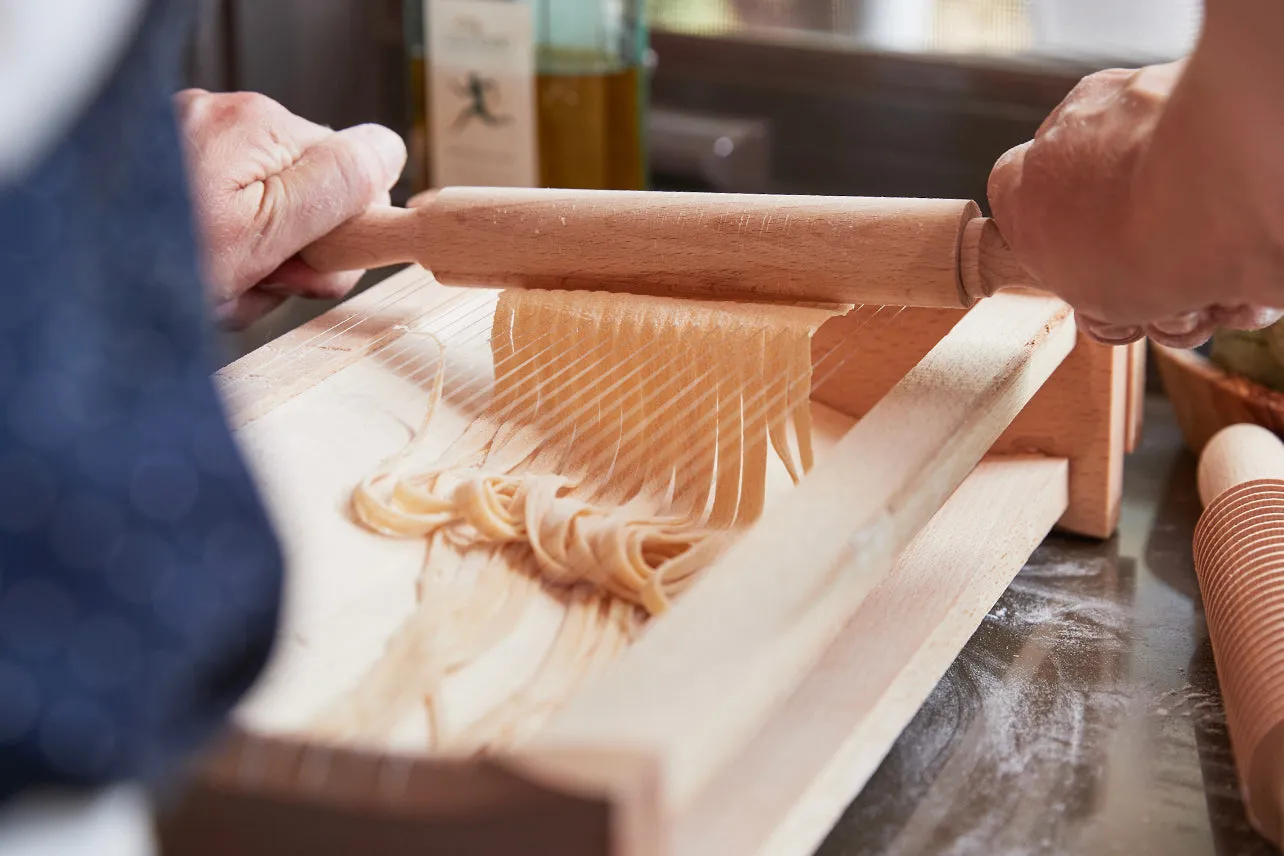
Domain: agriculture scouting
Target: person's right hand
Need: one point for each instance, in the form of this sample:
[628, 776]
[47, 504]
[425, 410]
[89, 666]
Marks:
[1139, 205]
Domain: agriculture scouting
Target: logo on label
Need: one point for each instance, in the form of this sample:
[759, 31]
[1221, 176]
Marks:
[481, 56]
[477, 89]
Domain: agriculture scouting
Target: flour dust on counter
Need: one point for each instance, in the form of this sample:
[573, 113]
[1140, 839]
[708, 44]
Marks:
[1084, 716]
[1004, 755]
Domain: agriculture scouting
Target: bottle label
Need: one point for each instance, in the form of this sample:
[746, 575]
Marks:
[481, 93]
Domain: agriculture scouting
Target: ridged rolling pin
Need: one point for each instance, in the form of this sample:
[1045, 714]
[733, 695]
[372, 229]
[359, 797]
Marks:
[1239, 558]
[904, 252]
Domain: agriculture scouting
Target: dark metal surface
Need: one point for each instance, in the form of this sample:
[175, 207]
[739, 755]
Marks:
[1041, 31]
[854, 108]
[861, 123]
[1084, 716]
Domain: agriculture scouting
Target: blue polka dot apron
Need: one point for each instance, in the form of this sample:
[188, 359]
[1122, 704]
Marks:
[139, 577]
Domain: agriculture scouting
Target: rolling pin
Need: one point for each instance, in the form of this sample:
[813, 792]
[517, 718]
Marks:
[1239, 558]
[904, 252]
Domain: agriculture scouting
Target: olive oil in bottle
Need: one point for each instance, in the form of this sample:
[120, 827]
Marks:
[590, 123]
[547, 93]
[591, 85]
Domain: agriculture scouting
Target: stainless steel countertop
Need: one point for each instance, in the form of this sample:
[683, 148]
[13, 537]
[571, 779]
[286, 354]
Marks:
[1084, 716]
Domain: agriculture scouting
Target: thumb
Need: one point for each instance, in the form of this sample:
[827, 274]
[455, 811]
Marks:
[335, 179]
[1004, 187]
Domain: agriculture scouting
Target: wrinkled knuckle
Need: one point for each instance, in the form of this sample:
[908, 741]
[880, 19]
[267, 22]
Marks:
[274, 199]
[269, 218]
[283, 150]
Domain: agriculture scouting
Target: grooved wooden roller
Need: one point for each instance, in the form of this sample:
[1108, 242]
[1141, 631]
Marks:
[1239, 557]
[904, 252]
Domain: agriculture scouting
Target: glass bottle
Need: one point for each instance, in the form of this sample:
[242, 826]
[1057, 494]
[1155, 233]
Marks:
[548, 93]
[592, 93]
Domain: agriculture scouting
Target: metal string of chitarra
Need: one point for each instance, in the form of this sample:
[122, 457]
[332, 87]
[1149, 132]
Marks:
[831, 360]
[465, 320]
[394, 772]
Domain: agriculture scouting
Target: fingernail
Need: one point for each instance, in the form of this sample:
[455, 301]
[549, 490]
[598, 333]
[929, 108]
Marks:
[1179, 325]
[1111, 334]
[388, 145]
[1244, 317]
[1184, 341]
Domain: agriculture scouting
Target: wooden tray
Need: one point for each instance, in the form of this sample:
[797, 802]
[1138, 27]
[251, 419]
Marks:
[1207, 398]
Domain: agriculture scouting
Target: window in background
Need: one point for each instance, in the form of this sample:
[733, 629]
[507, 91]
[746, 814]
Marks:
[1082, 30]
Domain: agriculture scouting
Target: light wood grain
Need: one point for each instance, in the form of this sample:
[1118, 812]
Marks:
[987, 367]
[693, 690]
[784, 792]
[1136, 394]
[1082, 413]
[1206, 398]
[1238, 454]
[905, 252]
[296, 361]
[1239, 560]
[986, 262]
[262, 796]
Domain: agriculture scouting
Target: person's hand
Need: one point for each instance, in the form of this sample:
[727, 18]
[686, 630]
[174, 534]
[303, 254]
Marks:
[265, 184]
[1135, 204]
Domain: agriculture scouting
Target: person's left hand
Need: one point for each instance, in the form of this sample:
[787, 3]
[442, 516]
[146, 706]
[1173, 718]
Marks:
[265, 184]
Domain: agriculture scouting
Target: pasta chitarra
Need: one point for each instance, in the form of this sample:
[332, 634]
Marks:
[626, 438]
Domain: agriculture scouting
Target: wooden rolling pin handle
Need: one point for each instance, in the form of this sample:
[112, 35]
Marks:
[915, 252]
[1239, 558]
[380, 236]
[987, 263]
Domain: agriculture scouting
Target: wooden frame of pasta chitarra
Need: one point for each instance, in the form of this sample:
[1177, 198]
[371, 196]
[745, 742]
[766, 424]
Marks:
[753, 712]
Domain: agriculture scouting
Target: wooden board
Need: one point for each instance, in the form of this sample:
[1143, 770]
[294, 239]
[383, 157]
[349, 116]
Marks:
[776, 648]
[1085, 413]
[787, 789]
[1089, 412]
[293, 363]
[265, 797]
[1136, 394]
[789, 583]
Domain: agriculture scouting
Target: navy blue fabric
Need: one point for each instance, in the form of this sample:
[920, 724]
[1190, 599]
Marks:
[139, 577]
